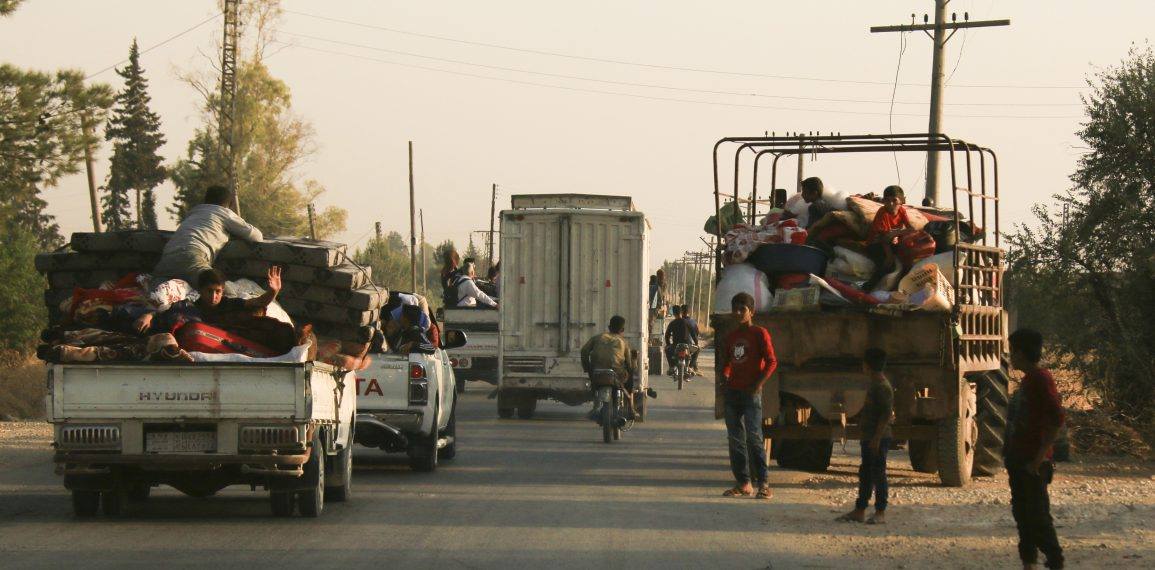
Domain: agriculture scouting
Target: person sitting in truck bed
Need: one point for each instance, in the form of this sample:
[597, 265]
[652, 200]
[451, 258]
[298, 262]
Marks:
[201, 235]
[411, 337]
[890, 222]
[812, 204]
[466, 290]
[424, 320]
[211, 306]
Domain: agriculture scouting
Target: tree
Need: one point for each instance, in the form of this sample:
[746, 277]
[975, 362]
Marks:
[8, 6]
[1083, 274]
[134, 130]
[21, 300]
[41, 141]
[270, 144]
[389, 258]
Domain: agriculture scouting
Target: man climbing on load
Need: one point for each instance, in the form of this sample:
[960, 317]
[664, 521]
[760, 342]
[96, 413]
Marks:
[201, 235]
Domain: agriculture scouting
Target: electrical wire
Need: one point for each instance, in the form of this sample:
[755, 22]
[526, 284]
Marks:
[652, 97]
[893, 93]
[652, 65]
[651, 85]
[152, 47]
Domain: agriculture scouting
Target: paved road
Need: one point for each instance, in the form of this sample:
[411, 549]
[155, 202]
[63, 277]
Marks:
[543, 492]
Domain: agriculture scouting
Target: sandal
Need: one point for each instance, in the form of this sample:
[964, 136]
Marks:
[876, 518]
[736, 492]
[850, 517]
[764, 493]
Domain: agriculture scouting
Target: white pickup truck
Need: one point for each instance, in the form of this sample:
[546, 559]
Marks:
[408, 403]
[121, 429]
[478, 360]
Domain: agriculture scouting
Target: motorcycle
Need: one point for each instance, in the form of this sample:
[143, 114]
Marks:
[681, 363]
[615, 416]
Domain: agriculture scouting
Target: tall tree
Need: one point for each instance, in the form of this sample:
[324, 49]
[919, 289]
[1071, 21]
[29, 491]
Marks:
[270, 144]
[134, 130]
[1097, 249]
[8, 6]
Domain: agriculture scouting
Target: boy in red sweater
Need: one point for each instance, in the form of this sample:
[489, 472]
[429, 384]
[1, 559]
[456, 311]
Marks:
[1033, 421]
[748, 361]
[889, 223]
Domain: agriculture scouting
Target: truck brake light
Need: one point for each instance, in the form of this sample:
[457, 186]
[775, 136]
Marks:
[418, 385]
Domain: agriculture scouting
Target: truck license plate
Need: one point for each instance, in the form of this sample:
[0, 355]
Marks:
[181, 442]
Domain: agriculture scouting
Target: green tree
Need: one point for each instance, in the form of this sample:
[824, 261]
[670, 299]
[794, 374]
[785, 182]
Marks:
[41, 141]
[389, 258]
[134, 130]
[270, 144]
[21, 300]
[1083, 273]
[8, 6]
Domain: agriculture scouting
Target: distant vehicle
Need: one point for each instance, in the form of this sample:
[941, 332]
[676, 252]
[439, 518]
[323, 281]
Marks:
[948, 369]
[615, 417]
[476, 361]
[408, 403]
[681, 363]
[121, 429]
[569, 263]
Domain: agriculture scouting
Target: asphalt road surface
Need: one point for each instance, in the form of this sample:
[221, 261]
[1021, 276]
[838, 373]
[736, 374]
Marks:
[540, 493]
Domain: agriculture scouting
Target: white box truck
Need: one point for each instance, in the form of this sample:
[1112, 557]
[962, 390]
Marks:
[569, 263]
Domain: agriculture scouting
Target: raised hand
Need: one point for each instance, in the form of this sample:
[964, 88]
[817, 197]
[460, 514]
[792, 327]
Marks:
[275, 279]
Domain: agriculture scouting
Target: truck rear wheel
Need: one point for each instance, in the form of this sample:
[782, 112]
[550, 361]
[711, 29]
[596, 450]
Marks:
[115, 501]
[282, 503]
[450, 450]
[505, 407]
[344, 481]
[956, 444]
[85, 504]
[923, 455]
[423, 451]
[527, 407]
[312, 501]
[991, 417]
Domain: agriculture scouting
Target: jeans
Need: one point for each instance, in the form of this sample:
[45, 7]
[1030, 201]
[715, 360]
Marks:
[872, 476]
[744, 429]
[1031, 506]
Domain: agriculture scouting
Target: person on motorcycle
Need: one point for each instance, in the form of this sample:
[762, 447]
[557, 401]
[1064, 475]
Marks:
[695, 334]
[609, 350]
[678, 332]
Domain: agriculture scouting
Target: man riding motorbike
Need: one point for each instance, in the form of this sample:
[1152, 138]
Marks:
[609, 350]
[679, 332]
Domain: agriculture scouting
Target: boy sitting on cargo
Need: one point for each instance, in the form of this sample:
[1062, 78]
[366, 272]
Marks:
[204, 231]
[748, 361]
[874, 420]
[211, 305]
[890, 222]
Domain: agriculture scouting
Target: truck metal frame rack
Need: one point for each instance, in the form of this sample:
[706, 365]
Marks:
[948, 369]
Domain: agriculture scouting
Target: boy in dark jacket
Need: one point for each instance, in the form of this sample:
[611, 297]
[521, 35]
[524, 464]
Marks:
[1035, 416]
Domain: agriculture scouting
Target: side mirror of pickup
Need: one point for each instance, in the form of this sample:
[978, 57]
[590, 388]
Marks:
[454, 338]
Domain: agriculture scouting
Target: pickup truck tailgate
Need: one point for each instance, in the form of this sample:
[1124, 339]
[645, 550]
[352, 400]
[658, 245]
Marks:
[195, 391]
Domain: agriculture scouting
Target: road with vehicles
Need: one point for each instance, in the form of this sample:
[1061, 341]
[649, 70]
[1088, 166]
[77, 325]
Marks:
[547, 492]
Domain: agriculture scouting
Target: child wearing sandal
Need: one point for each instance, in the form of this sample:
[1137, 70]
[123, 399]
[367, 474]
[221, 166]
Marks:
[875, 420]
[748, 363]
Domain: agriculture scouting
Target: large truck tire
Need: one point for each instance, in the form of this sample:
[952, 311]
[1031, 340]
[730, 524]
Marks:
[505, 407]
[526, 407]
[85, 503]
[923, 455]
[956, 444]
[991, 416]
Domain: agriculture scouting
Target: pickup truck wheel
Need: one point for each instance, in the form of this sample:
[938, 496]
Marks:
[139, 492]
[282, 503]
[450, 450]
[527, 407]
[115, 501]
[312, 501]
[423, 451]
[956, 445]
[85, 504]
[344, 466]
[505, 408]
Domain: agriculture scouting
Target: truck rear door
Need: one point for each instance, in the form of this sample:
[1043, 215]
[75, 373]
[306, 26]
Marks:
[534, 248]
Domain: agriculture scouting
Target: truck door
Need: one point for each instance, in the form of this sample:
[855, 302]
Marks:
[534, 252]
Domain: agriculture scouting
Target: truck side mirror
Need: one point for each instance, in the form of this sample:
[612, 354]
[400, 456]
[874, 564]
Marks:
[454, 339]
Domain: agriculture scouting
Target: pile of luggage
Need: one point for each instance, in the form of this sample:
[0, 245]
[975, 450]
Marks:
[320, 285]
[786, 268]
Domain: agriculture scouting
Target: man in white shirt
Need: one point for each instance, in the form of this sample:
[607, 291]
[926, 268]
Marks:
[814, 202]
[468, 294]
[200, 237]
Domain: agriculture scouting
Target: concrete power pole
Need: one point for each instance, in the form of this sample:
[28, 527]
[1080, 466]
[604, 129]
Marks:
[412, 224]
[492, 215]
[312, 221]
[424, 269]
[940, 38]
[226, 126]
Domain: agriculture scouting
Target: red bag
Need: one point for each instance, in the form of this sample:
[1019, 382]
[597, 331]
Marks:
[791, 280]
[199, 337]
[914, 246]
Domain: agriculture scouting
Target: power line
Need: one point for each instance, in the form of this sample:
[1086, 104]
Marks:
[150, 48]
[657, 98]
[897, 70]
[654, 65]
[892, 102]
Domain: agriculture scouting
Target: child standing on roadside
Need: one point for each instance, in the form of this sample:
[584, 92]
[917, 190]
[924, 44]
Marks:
[876, 436]
[748, 362]
[1034, 418]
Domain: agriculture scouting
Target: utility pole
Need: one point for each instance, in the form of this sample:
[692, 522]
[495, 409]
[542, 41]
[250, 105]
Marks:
[801, 165]
[226, 126]
[940, 38]
[97, 226]
[412, 224]
[377, 230]
[312, 222]
[492, 215]
[424, 269]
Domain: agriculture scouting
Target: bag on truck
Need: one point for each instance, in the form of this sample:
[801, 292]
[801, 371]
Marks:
[743, 278]
[850, 265]
[913, 247]
[731, 215]
[200, 337]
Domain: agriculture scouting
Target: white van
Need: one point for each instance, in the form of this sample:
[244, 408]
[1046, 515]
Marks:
[569, 263]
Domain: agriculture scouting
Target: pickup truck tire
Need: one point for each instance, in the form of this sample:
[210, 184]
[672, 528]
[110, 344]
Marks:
[956, 445]
[450, 450]
[991, 416]
[505, 407]
[139, 492]
[526, 408]
[343, 464]
[85, 504]
[115, 501]
[423, 451]
[312, 501]
[283, 503]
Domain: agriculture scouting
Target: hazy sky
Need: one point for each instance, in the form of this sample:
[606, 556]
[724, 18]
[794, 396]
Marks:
[474, 125]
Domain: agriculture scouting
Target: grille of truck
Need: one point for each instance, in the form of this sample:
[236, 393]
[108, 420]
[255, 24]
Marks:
[90, 437]
[267, 437]
[525, 364]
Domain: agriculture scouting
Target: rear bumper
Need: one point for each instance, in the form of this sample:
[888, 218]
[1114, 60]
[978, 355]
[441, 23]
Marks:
[70, 463]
